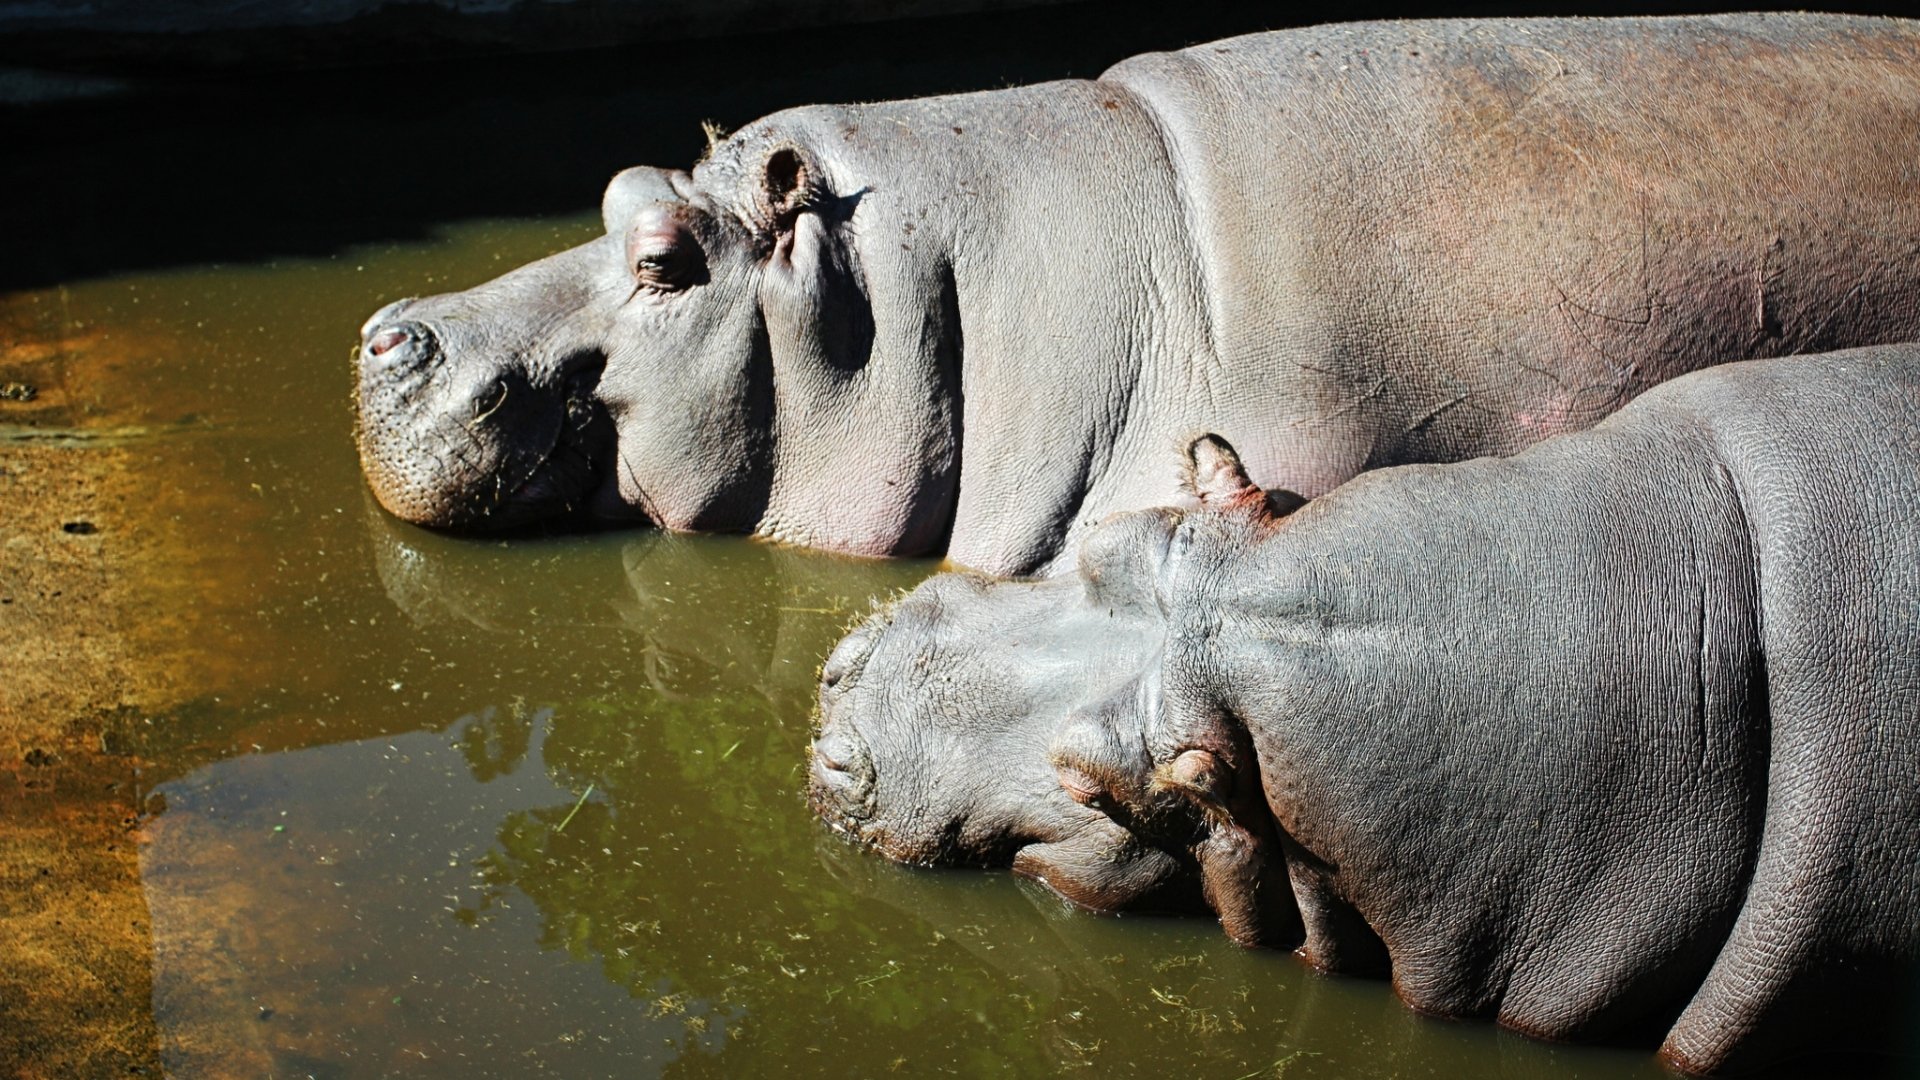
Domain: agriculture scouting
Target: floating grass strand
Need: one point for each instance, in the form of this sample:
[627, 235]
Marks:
[575, 810]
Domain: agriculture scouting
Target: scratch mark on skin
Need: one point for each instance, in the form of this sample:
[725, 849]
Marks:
[1427, 417]
[1649, 302]
[640, 498]
[1545, 373]
[456, 451]
[1640, 320]
[459, 451]
[1622, 368]
[1570, 408]
[1558, 71]
[1766, 320]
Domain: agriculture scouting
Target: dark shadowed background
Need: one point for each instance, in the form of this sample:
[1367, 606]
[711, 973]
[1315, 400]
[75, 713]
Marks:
[132, 143]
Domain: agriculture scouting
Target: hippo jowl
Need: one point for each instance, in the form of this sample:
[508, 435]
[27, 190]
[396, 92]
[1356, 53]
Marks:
[978, 322]
[1620, 733]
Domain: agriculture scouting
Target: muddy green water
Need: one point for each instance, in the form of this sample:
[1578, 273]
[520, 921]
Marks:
[478, 808]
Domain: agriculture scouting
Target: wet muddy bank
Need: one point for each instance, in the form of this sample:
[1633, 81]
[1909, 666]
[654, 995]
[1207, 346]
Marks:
[74, 993]
[110, 597]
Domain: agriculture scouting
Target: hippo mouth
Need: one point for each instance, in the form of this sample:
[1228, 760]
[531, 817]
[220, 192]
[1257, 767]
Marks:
[1130, 877]
[570, 481]
[844, 798]
[841, 793]
[868, 834]
[573, 479]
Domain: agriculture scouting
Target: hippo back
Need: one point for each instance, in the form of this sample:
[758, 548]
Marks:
[1483, 232]
[1626, 726]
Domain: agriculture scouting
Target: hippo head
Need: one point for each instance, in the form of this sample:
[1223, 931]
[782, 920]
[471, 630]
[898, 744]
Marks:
[674, 371]
[938, 712]
[1027, 723]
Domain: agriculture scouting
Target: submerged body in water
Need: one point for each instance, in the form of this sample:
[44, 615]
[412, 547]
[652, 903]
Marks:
[1616, 735]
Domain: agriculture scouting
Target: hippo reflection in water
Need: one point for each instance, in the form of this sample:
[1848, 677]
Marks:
[680, 615]
[977, 322]
[1620, 733]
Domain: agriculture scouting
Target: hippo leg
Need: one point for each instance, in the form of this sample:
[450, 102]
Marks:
[1801, 958]
[1338, 939]
[1241, 880]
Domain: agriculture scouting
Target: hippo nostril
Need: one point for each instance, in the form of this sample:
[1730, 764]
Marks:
[844, 755]
[385, 340]
[849, 656]
[842, 777]
[399, 349]
[386, 315]
[835, 751]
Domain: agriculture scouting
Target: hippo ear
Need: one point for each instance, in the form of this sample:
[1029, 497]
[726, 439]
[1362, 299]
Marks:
[818, 315]
[1242, 874]
[1200, 777]
[790, 182]
[1214, 475]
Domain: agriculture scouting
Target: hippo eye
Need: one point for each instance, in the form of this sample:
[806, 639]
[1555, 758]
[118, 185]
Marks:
[1172, 561]
[664, 255]
[1181, 542]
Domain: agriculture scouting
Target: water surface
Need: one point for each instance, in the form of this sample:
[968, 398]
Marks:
[447, 807]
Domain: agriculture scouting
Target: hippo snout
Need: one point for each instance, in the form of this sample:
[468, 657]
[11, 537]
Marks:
[842, 776]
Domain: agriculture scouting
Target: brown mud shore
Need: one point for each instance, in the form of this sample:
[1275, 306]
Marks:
[86, 549]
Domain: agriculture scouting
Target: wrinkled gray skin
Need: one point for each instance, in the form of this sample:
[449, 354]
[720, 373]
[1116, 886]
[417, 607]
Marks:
[1619, 735]
[982, 321]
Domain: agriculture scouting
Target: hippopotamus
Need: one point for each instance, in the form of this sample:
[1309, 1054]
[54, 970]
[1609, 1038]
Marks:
[1619, 734]
[976, 323]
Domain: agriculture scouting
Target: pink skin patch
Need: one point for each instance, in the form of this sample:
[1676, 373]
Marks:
[1549, 421]
[386, 341]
